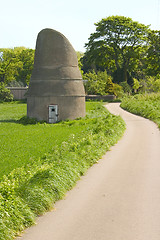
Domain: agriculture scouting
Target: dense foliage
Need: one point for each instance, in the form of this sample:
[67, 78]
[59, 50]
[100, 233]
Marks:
[32, 189]
[5, 95]
[100, 83]
[127, 50]
[153, 54]
[16, 64]
[118, 44]
[147, 106]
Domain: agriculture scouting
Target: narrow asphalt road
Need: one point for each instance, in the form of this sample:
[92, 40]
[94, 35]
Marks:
[119, 198]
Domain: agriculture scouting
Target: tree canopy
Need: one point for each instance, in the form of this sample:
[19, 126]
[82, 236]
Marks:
[16, 64]
[117, 45]
[153, 54]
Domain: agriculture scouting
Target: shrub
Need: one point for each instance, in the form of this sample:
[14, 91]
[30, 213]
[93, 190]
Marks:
[150, 84]
[5, 94]
[136, 85]
[126, 88]
[99, 83]
[118, 90]
[95, 83]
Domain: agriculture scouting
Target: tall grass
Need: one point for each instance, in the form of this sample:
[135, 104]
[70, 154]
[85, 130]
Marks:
[32, 187]
[145, 105]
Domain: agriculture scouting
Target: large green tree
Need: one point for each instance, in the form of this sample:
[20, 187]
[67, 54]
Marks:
[16, 64]
[9, 65]
[117, 45]
[153, 54]
[26, 56]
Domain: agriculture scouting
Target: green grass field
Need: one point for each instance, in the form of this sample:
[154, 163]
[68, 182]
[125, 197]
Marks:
[146, 105]
[20, 144]
[41, 162]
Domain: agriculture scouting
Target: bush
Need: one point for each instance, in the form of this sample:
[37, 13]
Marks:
[126, 88]
[5, 94]
[118, 90]
[95, 83]
[150, 84]
[99, 83]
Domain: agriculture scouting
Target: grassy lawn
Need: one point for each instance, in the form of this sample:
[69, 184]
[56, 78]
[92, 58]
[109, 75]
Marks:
[146, 105]
[21, 144]
[41, 162]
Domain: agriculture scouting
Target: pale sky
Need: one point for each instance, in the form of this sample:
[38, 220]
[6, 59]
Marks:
[22, 20]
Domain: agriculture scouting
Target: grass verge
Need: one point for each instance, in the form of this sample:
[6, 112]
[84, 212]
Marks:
[146, 105]
[31, 189]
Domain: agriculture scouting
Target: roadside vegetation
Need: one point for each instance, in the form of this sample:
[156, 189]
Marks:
[145, 105]
[40, 162]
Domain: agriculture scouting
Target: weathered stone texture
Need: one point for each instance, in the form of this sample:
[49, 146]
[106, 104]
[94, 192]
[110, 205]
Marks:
[56, 79]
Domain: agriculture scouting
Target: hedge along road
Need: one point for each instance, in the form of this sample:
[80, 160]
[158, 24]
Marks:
[119, 198]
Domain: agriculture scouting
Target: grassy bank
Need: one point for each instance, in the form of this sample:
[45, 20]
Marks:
[29, 188]
[146, 105]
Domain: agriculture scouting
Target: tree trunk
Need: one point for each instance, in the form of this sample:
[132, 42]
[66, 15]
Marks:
[125, 73]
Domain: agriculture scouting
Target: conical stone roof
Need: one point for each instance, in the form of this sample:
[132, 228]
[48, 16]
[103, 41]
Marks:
[56, 71]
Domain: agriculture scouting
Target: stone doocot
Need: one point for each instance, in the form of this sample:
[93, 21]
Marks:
[56, 90]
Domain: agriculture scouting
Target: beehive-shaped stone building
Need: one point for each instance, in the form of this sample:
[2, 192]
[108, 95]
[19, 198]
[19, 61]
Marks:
[56, 90]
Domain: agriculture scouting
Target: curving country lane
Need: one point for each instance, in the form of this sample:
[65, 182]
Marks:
[119, 198]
